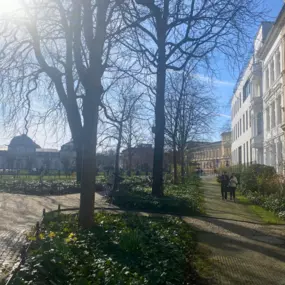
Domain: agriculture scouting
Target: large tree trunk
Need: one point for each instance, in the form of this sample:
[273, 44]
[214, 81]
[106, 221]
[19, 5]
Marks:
[157, 185]
[117, 160]
[79, 164]
[87, 196]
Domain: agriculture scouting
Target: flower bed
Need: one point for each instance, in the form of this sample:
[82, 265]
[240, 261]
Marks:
[119, 249]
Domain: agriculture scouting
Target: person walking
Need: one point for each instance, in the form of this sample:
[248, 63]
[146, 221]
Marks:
[224, 179]
[233, 186]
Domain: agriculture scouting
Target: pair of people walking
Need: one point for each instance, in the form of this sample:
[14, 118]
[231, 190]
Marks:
[228, 184]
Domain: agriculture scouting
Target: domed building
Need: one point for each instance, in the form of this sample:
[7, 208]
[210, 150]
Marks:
[24, 153]
[22, 144]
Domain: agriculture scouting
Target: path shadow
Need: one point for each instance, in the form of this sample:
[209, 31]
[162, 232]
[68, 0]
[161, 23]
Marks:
[238, 245]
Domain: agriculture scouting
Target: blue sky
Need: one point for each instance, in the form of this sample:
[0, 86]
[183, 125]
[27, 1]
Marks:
[223, 86]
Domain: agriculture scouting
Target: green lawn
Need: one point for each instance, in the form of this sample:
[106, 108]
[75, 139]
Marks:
[119, 249]
[265, 215]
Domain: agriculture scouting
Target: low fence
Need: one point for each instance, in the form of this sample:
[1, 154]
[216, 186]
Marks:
[25, 248]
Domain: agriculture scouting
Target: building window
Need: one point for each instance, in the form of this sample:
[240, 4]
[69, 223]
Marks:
[246, 118]
[279, 111]
[273, 122]
[278, 64]
[240, 129]
[272, 71]
[250, 118]
[259, 123]
[266, 79]
[246, 90]
[267, 119]
[240, 155]
[243, 123]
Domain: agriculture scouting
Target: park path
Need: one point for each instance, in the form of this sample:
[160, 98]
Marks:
[241, 248]
[18, 213]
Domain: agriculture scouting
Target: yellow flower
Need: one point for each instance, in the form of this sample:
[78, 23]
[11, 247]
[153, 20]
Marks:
[41, 236]
[71, 238]
[51, 235]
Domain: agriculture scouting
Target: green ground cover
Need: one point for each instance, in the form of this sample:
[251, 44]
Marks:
[181, 199]
[119, 249]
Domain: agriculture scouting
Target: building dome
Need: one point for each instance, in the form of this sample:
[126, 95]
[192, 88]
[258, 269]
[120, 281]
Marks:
[23, 141]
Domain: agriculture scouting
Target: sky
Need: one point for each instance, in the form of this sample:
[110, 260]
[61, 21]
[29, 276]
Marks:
[223, 86]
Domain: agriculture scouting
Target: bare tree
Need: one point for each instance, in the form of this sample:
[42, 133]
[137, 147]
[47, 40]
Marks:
[175, 32]
[118, 111]
[59, 51]
[136, 131]
[189, 108]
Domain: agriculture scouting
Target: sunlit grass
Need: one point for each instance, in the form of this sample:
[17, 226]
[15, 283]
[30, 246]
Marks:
[266, 216]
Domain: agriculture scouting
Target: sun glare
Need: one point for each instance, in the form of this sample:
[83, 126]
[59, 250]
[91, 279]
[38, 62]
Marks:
[7, 6]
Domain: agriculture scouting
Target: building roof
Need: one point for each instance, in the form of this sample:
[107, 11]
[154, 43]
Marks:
[23, 140]
[272, 35]
[205, 145]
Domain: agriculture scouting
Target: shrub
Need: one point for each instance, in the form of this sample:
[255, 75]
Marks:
[259, 178]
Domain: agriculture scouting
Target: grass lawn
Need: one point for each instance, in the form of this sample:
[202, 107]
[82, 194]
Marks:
[183, 199]
[119, 249]
[265, 215]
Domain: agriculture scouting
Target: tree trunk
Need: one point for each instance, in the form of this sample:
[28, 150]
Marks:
[88, 174]
[87, 195]
[175, 176]
[117, 160]
[157, 185]
[130, 160]
[79, 160]
[182, 165]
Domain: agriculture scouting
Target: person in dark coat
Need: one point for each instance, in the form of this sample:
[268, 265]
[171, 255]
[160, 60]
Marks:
[224, 179]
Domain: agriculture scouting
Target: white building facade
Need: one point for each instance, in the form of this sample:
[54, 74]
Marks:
[241, 124]
[247, 108]
[260, 95]
[273, 89]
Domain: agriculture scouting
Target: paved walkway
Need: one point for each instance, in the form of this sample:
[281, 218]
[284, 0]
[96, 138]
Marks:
[241, 251]
[18, 213]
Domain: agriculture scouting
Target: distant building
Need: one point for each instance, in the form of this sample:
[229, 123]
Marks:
[24, 153]
[139, 157]
[211, 155]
